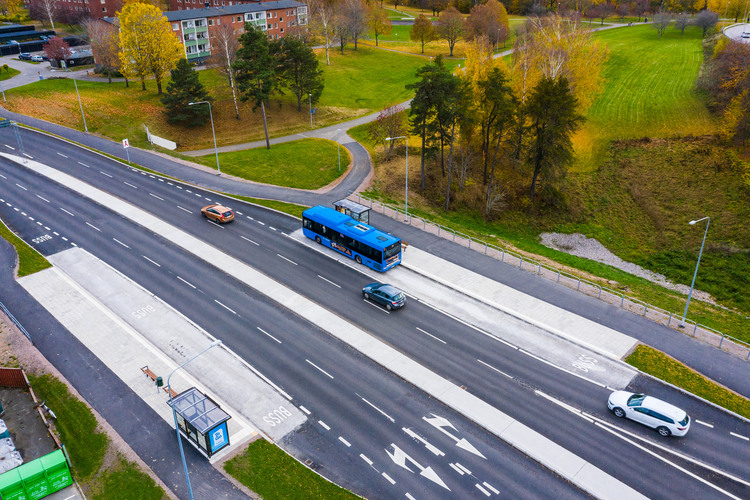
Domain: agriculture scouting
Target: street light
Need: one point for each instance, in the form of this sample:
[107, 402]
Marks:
[692, 223]
[309, 101]
[174, 413]
[216, 150]
[406, 188]
[65, 66]
[338, 147]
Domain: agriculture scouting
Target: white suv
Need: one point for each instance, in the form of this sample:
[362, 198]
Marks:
[655, 413]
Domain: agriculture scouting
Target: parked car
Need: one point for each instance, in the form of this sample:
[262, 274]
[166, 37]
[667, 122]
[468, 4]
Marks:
[37, 58]
[745, 34]
[43, 38]
[218, 213]
[667, 419]
[385, 294]
[24, 56]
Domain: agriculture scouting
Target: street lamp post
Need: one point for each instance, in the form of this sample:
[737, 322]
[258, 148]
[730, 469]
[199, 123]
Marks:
[338, 147]
[211, 115]
[174, 414]
[85, 127]
[692, 223]
[309, 102]
[406, 187]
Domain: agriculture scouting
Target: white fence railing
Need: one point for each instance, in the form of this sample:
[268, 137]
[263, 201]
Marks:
[704, 333]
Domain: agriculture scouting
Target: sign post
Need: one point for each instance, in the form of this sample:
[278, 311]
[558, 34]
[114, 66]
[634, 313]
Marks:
[126, 145]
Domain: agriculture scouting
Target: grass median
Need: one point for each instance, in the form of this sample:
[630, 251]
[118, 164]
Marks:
[29, 260]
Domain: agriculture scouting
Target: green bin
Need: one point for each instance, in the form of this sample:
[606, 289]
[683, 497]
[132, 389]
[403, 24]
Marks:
[57, 471]
[11, 486]
[34, 479]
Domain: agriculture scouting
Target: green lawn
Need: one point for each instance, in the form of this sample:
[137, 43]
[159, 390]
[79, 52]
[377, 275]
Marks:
[649, 90]
[6, 72]
[273, 474]
[29, 260]
[304, 164]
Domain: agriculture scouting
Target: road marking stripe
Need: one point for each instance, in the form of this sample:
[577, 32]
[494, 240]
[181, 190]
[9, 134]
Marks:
[319, 368]
[83, 164]
[263, 331]
[151, 261]
[463, 468]
[186, 282]
[131, 185]
[307, 412]
[105, 173]
[225, 307]
[61, 154]
[456, 469]
[261, 223]
[489, 487]
[157, 197]
[88, 224]
[288, 260]
[120, 242]
[45, 199]
[272, 228]
[493, 368]
[407, 495]
[64, 238]
[323, 425]
[47, 228]
[479, 486]
[740, 436]
[378, 409]
[185, 209]
[329, 281]
[704, 423]
[431, 335]
[251, 241]
[369, 462]
[347, 443]
[388, 478]
[17, 184]
[38, 223]
[69, 213]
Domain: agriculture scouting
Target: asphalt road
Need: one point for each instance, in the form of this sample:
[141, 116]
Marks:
[529, 376]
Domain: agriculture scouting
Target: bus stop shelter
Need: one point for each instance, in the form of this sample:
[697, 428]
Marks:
[201, 421]
[358, 212]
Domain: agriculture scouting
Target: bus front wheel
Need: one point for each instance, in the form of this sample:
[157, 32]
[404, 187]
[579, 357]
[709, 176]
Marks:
[358, 259]
[317, 240]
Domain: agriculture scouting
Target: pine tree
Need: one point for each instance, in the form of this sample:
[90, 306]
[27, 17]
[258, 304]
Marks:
[298, 67]
[184, 88]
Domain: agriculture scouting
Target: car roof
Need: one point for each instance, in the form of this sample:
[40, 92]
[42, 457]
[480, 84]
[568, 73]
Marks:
[663, 407]
[220, 208]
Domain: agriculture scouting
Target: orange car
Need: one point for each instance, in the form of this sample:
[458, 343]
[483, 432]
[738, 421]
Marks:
[218, 213]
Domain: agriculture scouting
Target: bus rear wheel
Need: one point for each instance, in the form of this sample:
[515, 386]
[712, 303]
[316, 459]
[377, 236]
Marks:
[357, 259]
[317, 240]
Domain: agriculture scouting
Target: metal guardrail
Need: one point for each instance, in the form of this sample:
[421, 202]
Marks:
[14, 320]
[672, 320]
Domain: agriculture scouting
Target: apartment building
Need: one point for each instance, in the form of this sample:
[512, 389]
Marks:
[193, 27]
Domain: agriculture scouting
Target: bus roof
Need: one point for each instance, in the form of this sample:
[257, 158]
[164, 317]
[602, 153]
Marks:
[350, 227]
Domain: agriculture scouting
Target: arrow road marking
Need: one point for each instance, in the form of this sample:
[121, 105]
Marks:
[440, 422]
[419, 438]
[400, 457]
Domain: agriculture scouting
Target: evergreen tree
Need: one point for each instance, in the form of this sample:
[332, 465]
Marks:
[552, 118]
[299, 71]
[184, 88]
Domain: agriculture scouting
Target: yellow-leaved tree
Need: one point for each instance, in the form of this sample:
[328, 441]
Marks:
[147, 45]
[555, 46]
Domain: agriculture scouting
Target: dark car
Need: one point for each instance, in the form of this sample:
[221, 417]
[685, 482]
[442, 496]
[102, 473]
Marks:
[385, 294]
[24, 56]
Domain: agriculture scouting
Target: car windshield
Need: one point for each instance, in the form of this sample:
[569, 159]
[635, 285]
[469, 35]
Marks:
[636, 399]
[685, 420]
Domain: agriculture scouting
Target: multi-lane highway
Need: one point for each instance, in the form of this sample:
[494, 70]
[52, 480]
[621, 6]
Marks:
[357, 400]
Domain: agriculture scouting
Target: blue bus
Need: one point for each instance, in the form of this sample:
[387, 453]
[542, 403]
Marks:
[361, 242]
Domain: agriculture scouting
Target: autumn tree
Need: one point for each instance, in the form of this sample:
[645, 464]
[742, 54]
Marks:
[8, 7]
[451, 27]
[604, 10]
[640, 7]
[423, 31]
[147, 45]
[48, 8]
[105, 45]
[391, 122]
[489, 20]
[298, 69]
[183, 88]
[224, 46]
[378, 22]
[321, 22]
[551, 117]
[57, 49]
[438, 6]
[661, 21]
[681, 22]
[355, 18]
[255, 70]
[729, 88]
[706, 20]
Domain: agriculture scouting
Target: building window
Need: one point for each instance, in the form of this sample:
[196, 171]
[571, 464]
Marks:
[239, 19]
[175, 26]
[210, 22]
[282, 30]
[281, 19]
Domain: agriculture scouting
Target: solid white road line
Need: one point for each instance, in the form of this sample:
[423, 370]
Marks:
[225, 307]
[43, 199]
[288, 260]
[151, 261]
[329, 281]
[704, 423]
[157, 197]
[185, 209]
[369, 462]
[265, 332]
[251, 241]
[105, 173]
[740, 436]
[83, 164]
[17, 184]
[69, 213]
[431, 335]
[120, 242]
[493, 368]
[319, 368]
[186, 282]
[378, 409]
[61, 154]
[88, 224]
[129, 184]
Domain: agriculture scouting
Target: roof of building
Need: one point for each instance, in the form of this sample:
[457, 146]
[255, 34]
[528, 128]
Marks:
[182, 15]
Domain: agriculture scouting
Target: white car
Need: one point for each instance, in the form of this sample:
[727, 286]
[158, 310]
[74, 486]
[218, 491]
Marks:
[655, 413]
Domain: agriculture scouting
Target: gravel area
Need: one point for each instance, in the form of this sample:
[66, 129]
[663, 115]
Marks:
[589, 248]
